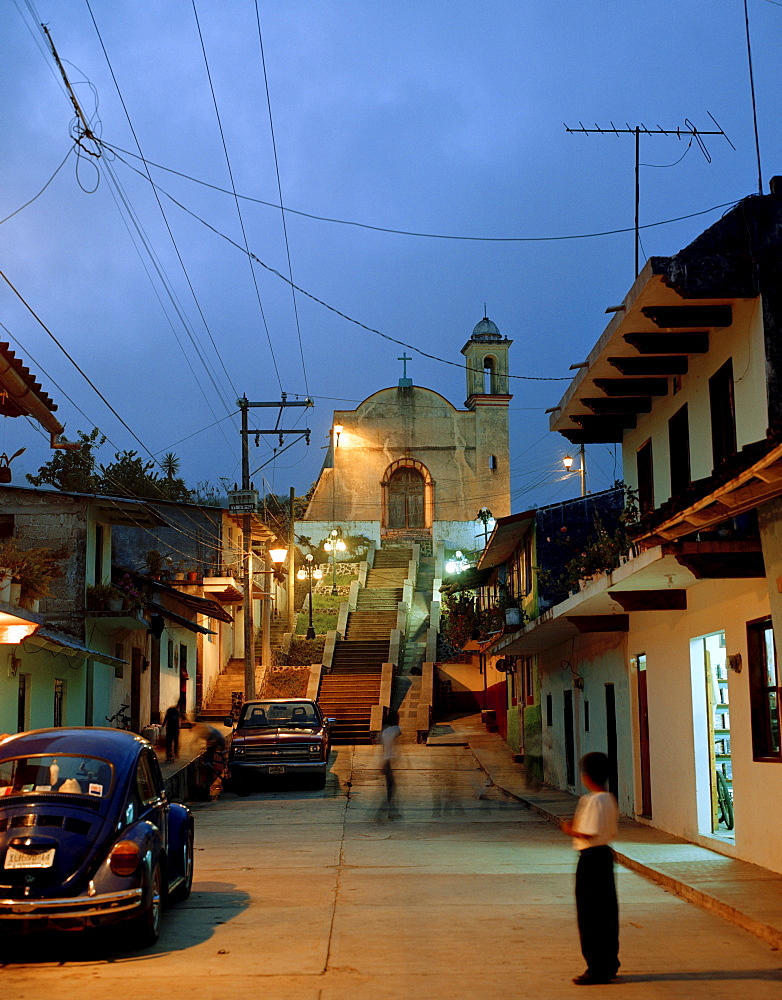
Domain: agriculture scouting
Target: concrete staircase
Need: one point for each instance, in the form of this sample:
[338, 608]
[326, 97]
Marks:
[232, 679]
[348, 693]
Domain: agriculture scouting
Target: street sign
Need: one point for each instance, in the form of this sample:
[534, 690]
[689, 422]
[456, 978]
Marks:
[242, 508]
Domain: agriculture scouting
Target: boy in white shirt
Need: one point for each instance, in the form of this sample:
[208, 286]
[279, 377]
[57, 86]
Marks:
[593, 828]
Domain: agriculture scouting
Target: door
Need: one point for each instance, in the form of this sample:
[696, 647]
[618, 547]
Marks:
[570, 746]
[643, 736]
[135, 689]
[715, 665]
[406, 499]
[611, 749]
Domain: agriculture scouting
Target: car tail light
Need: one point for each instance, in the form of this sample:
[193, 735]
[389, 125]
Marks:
[124, 858]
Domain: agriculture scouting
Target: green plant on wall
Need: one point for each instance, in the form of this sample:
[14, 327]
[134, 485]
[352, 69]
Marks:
[461, 620]
[600, 551]
[34, 568]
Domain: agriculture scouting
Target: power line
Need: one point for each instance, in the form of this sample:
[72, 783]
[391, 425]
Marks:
[160, 206]
[36, 196]
[84, 131]
[338, 312]
[236, 199]
[279, 191]
[407, 232]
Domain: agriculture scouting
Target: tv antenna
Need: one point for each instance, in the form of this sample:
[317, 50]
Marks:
[638, 130]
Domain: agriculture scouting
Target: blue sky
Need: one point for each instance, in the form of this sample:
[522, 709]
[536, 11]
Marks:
[439, 116]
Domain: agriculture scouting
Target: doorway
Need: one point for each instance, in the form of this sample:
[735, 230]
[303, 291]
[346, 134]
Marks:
[611, 741]
[711, 663]
[406, 499]
[639, 663]
[570, 746]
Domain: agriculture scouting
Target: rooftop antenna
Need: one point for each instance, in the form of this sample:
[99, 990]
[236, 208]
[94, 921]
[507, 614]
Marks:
[636, 130]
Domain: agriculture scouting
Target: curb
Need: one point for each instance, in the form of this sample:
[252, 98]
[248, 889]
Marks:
[766, 932]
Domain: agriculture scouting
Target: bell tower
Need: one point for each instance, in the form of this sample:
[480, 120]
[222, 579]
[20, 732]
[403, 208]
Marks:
[486, 354]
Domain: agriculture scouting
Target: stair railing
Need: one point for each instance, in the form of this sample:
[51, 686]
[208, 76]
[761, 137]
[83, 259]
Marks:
[313, 684]
[377, 715]
[424, 717]
[328, 651]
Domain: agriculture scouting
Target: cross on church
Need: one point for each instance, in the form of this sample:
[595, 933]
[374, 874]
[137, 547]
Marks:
[404, 359]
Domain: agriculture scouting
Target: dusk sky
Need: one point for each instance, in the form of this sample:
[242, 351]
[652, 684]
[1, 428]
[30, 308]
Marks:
[439, 117]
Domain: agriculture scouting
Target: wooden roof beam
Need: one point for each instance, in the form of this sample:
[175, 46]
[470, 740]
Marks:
[689, 317]
[632, 386]
[694, 342]
[621, 404]
[647, 367]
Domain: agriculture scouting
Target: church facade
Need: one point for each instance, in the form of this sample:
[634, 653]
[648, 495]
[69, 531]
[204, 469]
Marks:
[407, 464]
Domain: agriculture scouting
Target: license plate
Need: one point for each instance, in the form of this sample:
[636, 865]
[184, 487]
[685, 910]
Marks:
[27, 859]
[276, 769]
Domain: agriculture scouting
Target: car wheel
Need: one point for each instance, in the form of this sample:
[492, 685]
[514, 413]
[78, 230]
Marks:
[182, 891]
[319, 782]
[144, 929]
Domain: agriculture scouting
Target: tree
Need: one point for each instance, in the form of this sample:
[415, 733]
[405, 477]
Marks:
[74, 470]
[130, 476]
[170, 465]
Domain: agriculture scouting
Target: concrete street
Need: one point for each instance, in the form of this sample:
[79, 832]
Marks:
[318, 896]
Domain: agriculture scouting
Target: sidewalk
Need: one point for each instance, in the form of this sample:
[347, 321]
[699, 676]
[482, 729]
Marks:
[740, 892]
[181, 775]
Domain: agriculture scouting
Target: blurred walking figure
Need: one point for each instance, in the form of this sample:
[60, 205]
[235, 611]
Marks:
[171, 723]
[215, 742]
[593, 828]
[388, 738]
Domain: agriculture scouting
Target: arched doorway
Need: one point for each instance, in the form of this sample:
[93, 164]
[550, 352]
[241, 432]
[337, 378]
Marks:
[406, 499]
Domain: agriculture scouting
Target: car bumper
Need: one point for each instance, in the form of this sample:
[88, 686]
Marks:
[240, 768]
[72, 907]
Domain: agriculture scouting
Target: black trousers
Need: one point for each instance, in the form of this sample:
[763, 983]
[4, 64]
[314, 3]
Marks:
[598, 911]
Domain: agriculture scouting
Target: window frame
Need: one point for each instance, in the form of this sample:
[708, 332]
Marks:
[761, 715]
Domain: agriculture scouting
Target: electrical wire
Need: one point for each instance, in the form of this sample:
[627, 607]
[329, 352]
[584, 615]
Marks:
[36, 196]
[236, 199]
[160, 205]
[406, 232]
[279, 191]
[338, 312]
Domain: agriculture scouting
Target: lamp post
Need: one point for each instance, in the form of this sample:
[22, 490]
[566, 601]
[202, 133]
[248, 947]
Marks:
[486, 516]
[334, 544]
[567, 461]
[307, 572]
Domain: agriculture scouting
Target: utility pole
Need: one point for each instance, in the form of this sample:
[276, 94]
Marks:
[291, 581]
[247, 504]
[638, 130]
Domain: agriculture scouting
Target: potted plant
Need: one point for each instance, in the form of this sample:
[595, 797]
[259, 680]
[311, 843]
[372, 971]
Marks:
[31, 570]
[132, 595]
[154, 563]
[99, 595]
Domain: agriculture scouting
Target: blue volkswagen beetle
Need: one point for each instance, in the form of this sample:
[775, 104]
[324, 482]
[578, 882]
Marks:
[88, 836]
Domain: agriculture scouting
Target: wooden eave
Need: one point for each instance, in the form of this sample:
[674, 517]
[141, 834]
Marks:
[647, 341]
[757, 484]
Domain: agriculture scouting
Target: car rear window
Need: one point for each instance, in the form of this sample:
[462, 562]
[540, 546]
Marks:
[259, 715]
[66, 774]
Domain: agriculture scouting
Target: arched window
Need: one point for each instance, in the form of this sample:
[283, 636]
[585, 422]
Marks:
[489, 372]
[406, 499]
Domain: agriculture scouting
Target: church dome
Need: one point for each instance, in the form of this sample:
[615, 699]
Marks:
[486, 330]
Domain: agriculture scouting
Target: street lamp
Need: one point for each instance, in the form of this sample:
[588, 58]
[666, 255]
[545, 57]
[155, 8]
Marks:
[307, 572]
[567, 461]
[458, 564]
[486, 516]
[334, 544]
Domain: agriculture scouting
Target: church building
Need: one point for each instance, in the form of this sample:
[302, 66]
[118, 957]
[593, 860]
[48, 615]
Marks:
[407, 465]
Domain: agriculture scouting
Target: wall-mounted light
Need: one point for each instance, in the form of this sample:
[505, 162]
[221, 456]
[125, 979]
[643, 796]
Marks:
[338, 428]
[278, 556]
